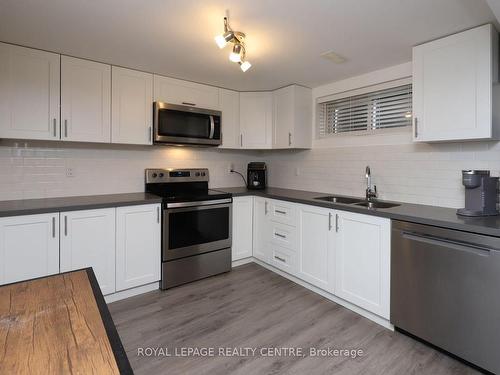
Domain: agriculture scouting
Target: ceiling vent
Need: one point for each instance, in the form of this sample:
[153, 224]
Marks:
[333, 57]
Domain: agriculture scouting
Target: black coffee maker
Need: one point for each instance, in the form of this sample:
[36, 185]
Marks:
[481, 193]
[256, 175]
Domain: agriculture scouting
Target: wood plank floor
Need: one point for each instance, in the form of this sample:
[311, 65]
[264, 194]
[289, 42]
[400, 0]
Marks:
[254, 307]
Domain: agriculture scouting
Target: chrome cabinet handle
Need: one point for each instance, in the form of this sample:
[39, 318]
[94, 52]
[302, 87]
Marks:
[65, 225]
[280, 259]
[289, 139]
[53, 227]
[329, 221]
[241, 140]
[416, 127]
[54, 126]
[158, 214]
[336, 222]
[150, 134]
[280, 212]
[265, 207]
[66, 128]
[279, 235]
[188, 103]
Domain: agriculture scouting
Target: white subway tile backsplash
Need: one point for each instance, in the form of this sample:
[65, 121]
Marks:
[416, 173]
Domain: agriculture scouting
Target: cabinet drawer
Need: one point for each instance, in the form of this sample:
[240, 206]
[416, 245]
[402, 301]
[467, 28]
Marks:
[283, 235]
[283, 212]
[284, 259]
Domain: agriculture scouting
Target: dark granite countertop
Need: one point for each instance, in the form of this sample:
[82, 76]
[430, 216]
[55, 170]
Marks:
[38, 206]
[416, 213]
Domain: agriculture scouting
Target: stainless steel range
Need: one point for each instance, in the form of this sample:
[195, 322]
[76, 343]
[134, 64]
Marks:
[196, 225]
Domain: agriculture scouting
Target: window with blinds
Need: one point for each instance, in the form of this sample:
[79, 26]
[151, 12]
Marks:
[383, 109]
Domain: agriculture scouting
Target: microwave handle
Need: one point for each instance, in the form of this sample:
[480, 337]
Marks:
[212, 127]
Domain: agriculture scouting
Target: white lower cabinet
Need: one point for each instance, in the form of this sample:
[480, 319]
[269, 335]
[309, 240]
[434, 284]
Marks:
[29, 247]
[88, 240]
[363, 250]
[138, 239]
[242, 228]
[261, 249]
[316, 263]
[343, 253]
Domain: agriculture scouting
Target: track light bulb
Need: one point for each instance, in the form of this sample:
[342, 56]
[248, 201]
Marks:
[235, 56]
[222, 40]
[245, 65]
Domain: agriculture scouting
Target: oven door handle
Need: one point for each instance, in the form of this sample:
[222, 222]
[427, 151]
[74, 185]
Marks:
[200, 203]
[212, 127]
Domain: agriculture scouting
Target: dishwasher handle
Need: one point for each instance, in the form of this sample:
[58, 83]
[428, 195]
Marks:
[450, 243]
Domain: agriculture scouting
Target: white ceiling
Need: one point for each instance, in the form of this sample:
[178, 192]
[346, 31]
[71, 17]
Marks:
[285, 38]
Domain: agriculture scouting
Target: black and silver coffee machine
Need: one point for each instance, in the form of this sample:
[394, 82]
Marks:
[481, 193]
[256, 175]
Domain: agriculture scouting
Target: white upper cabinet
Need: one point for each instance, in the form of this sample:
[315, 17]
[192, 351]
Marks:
[29, 247]
[131, 106]
[138, 245]
[29, 93]
[88, 240]
[242, 227]
[230, 108]
[256, 120]
[363, 256]
[316, 263]
[292, 117]
[85, 100]
[176, 91]
[452, 86]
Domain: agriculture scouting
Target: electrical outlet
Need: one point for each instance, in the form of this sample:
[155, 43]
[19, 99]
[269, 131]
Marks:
[297, 171]
[230, 167]
[70, 172]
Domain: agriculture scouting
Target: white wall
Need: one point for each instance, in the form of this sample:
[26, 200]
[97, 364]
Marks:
[402, 170]
[38, 169]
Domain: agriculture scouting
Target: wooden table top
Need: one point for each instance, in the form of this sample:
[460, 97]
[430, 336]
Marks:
[58, 325]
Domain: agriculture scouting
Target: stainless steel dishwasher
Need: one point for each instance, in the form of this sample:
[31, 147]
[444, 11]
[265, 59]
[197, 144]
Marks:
[445, 289]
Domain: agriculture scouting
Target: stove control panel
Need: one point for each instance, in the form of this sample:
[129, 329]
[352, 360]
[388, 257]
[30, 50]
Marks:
[170, 175]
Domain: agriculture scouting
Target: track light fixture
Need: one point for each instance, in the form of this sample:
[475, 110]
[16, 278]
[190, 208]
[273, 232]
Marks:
[237, 38]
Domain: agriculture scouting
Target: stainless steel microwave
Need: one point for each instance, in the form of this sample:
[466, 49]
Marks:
[184, 125]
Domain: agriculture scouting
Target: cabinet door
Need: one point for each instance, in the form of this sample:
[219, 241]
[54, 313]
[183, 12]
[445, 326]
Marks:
[29, 247]
[256, 120]
[29, 93]
[363, 261]
[85, 100]
[261, 235]
[176, 91]
[88, 240]
[132, 106]
[316, 263]
[242, 227]
[230, 107]
[284, 110]
[138, 245]
[452, 86]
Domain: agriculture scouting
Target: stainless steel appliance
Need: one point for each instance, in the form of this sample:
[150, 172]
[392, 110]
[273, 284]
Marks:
[196, 225]
[444, 289]
[256, 175]
[481, 193]
[182, 124]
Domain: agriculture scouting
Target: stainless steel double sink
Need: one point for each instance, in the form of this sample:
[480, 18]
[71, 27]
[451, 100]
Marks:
[357, 202]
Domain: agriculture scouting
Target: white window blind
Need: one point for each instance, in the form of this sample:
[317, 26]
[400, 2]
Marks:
[382, 109]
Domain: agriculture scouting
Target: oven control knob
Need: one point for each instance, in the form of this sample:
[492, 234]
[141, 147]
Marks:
[161, 175]
[203, 173]
[154, 175]
[197, 174]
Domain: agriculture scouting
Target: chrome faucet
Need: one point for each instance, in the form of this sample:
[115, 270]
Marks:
[371, 192]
